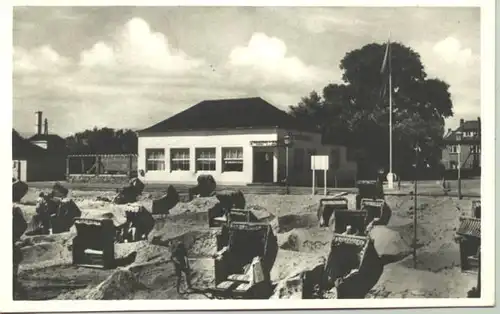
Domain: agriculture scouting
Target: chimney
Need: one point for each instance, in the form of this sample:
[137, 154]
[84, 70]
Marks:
[38, 122]
[461, 122]
[46, 127]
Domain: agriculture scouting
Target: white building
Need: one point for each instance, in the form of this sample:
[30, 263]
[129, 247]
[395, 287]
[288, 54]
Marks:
[238, 142]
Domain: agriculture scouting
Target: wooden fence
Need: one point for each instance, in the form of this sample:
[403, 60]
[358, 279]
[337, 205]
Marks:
[100, 167]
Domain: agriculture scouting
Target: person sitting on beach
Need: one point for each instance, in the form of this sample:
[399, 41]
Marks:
[348, 230]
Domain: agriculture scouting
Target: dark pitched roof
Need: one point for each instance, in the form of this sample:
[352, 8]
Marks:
[229, 114]
[471, 125]
[467, 126]
[452, 138]
[55, 143]
[23, 148]
[46, 137]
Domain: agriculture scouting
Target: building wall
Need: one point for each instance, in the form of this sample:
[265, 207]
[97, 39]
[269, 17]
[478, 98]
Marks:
[310, 143]
[19, 170]
[209, 139]
[49, 168]
[55, 168]
[450, 157]
[306, 144]
[42, 144]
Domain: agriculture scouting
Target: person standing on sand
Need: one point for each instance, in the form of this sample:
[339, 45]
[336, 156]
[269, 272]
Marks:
[181, 264]
[442, 174]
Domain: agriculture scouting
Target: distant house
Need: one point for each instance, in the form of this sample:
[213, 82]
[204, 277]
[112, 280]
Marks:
[465, 148]
[238, 141]
[42, 157]
[25, 153]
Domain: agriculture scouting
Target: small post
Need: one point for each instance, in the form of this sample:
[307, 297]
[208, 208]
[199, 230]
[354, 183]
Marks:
[130, 159]
[324, 192]
[82, 164]
[98, 165]
[287, 139]
[67, 167]
[417, 150]
[459, 153]
[313, 182]
[286, 175]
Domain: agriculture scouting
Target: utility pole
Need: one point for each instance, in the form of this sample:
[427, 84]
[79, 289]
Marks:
[459, 158]
[415, 192]
[390, 178]
[287, 139]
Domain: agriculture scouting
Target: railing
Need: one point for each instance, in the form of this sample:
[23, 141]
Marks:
[101, 165]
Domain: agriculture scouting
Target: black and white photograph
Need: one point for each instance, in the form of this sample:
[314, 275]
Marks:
[291, 156]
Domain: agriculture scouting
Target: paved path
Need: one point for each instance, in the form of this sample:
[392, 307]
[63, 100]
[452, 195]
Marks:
[470, 188]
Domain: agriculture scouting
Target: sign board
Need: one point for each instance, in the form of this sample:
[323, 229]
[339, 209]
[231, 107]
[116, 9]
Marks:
[319, 162]
[263, 143]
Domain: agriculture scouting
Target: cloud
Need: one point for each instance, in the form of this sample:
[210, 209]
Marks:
[264, 59]
[43, 58]
[135, 74]
[451, 51]
[135, 45]
[448, 60]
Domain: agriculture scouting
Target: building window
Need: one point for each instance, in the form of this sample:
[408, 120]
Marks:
[298, 160]
[179, 159]
[155, 159]
[453, 164]
[454, 149]
[205, 159]
[232, 159]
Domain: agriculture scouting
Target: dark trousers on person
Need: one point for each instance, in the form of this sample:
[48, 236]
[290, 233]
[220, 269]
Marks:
[179, 269]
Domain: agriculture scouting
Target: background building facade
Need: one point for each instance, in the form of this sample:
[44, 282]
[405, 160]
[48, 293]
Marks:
[246, 147]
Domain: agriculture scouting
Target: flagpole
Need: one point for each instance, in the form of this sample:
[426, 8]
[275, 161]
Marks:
[390, 177]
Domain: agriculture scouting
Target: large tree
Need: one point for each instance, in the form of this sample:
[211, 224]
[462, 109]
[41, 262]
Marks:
[103, 141]
[356, 112]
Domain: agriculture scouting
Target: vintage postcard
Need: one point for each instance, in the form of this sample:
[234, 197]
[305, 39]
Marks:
[258, 155]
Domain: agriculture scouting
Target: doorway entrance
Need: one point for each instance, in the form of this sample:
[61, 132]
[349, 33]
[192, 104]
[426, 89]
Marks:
[263, 170]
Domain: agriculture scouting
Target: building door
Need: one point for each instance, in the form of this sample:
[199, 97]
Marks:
[263, 170]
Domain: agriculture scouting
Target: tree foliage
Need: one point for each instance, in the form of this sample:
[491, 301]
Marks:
[356, 112]
[103, 141]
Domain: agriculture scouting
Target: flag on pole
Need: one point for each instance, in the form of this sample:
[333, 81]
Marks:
[386, 58]
[385, 69]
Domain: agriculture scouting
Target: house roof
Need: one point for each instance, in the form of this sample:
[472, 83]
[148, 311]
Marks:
[466, 126]
[452, 138]
[55, 143]
[23, 148]
[229, 114]
[471, 125]
[46, 137]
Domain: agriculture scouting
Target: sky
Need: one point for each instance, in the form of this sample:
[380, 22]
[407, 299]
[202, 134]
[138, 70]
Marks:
[131, 67]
